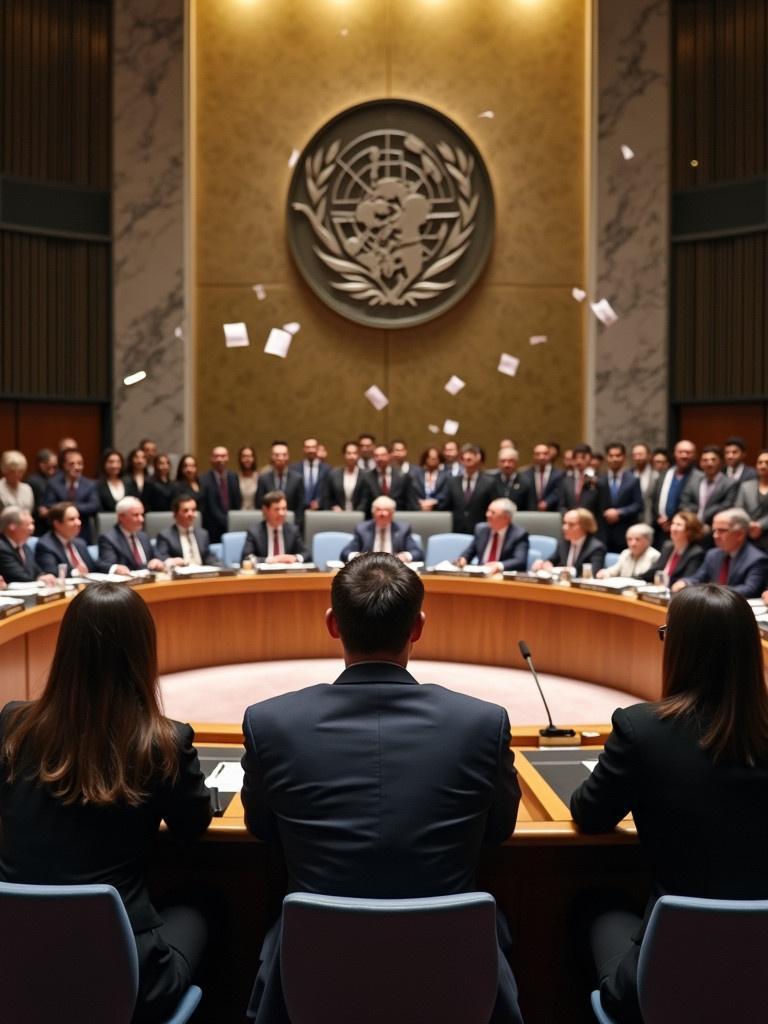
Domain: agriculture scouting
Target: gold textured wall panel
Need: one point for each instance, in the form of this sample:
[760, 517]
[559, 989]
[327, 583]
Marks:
[266, 74]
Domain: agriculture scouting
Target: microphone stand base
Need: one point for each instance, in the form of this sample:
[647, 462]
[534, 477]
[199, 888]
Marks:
[553, 737]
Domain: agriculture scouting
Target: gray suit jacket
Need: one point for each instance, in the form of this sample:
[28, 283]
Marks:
[721, 498]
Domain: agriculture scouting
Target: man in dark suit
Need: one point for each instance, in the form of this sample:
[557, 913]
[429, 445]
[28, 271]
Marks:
[344, 488]
[388, 481]
[273, 539]
[70, 485]
[578, 488]
[736, 468]
[668, 491]
[497, 543]
[63, 545]
[126, 547]
[620, 498]
[543, 480]
[381, 533]
[281, 478]
[511, 484]
[344, 776]
[17, 562]
[46, 463]
[184, 543]
[579, 545]
[469, 494]
[312, 472]
[735, 561]
[711, 493]
[219, 493]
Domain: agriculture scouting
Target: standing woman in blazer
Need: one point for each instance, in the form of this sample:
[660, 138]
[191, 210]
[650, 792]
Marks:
[136, 474]
[87, 773]
[110, 486]
[693, 770]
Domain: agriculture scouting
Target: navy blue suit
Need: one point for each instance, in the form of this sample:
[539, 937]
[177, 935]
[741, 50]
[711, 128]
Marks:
[514, 550]
[12, 569]
[365, 535]
[213, 512]
[551, 493]
[115, 550]
[748, 573]
[86, 500]
[311, 492]
[168, 545]
[629, 504]
[419, 490]
[50, 554]
[258, 543]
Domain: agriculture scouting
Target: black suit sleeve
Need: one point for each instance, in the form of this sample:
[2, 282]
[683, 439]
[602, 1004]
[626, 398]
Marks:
[259, 819]
[607, 796]
[502, 815]
[186, 801]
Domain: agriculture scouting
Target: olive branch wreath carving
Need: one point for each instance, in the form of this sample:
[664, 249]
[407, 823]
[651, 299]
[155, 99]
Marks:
[360, 282]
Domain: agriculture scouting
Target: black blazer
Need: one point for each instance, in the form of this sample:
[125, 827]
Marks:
[690, 561]
[628, 503]
[214, 515]
[589, 497]
[419, 491]
[551, 491]
[293, 489]
[593, 551]
[365, 536]
[332, 491]
[50, 554]
[682, 803]
[467, 514]
[322, 469]
[345, 777]
[168, 545]
[399, 489]
[518, 489]
[514, 552]
[158, 495]
[115, 550]
[12, 569]
[86, 499]
[257, 542]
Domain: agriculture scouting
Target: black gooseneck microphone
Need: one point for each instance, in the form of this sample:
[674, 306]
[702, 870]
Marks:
[551, 734]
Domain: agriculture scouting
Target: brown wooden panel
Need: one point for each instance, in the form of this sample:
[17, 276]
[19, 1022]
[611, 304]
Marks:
[711, 424]
[42, 424]
[8, 424]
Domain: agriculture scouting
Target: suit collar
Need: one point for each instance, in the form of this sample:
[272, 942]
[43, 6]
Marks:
[375, 672]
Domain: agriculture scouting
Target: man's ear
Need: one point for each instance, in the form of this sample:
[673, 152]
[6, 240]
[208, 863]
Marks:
[331, 625]
[418, 627]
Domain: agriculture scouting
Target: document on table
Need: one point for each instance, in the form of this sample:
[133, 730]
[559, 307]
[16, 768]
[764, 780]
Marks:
[227, 777]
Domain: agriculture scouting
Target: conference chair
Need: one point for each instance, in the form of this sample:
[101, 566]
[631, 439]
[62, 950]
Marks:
[426, 524]
[325, 521]
[232, 545]
[69, 954]
[154, 522]
[542, 542]
[240, 519]
[104, 522]
[701, 960]
[328, 546]
[345, 961]
[611, 558]
[533, 556]
[548, 523]
[32, 543]
[446, 546]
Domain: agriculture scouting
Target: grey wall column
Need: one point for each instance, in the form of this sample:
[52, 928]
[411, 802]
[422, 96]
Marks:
[629, 399]
[148, 232]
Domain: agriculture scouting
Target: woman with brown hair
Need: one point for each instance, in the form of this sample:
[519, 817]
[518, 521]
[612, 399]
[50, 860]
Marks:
[681, 555]
[689, 767]
[87, 773]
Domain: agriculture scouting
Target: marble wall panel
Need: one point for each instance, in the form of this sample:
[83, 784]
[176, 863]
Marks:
[630, 382]
[148, 221]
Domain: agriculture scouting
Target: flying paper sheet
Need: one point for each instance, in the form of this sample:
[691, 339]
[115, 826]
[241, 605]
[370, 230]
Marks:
[454, 385]
[627, 153]
[292, 327]
[433, 428]
[134, 378]
[538, 339]
[376, 397]
[261, 292]
[604, 312]
[236, 335]
[451, 427]
[578, 294]
[508, 364]
[487, 113]
[178, 332]
[278, 342]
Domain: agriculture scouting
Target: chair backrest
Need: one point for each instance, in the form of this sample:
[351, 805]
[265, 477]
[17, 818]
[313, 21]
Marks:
[533, 556]
[232, 547]
[104, 522]
[239, 520]
[545, 544]
[426, 524]
[323, 521]
[611, 558]
[69, 953]
[328, 544]
[547, 523]
[442, 546]
[346, 960]
[704, 960]
[32, 543]
[154, 522]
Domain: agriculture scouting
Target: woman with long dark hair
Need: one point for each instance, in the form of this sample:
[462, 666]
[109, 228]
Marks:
[87, 773]
[686, 766]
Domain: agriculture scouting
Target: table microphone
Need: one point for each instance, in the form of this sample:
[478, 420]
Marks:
[551, 736]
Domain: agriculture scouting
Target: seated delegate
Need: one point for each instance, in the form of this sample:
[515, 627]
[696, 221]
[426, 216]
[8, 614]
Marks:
[497, 543]
[637, 557]
[273, 539]
[382, 533]
[681, 555]
[87, 773]
[579, 545]
[63, 545]
[735, 561]
[693, 771]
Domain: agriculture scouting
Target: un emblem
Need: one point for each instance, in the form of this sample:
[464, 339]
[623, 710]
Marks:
[390, 213]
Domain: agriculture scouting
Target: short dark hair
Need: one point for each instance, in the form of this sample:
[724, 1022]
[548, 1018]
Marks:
[56, 512]
[617, 444]
[473, 449]
[550, 444]
[360, 437]
[581, 449]
[739, 442]
[272, 498]
[179, 500]
[661, 451]
[376, 601]
[713, 449]
[347, 444]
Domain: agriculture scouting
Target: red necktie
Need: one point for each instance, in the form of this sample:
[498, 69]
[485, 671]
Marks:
[74, 558]
[724, 570]
[493, 554]
[275, 542]
[135, 551]
[72, 492]
[384, 485]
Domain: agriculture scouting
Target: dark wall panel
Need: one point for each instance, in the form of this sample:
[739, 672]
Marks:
[711, 424]
[42, 424]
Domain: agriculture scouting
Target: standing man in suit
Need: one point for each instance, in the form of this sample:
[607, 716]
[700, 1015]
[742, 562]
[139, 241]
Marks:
[497, 543]
[387, 481]
[312, 471]
[344, 488]
[184, 543]
[470, 494]
[621, 500]
[381, 533]
[63, 545]
[646, 477]
[70, 485]
[736, 468]
[398, 454]
[578, 488]
[668, 491]
[451, 460]
[735, 561]
[273, 539]
[511, 484]
[17, 562]
[46, 464]
[280, 478]
[366, 444]
[711, 493]
[344, 777]
[126, 547]
[219, 493]
[543, 480]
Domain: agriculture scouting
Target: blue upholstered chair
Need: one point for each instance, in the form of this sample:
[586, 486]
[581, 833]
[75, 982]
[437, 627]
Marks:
[546, 545]
[442, 546]
[345, 961]
[232, 545]
[69, 955]
[611, 559]
[328, 545]
[701, 961]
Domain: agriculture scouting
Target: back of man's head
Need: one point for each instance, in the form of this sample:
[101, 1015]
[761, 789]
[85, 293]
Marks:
[376, 601]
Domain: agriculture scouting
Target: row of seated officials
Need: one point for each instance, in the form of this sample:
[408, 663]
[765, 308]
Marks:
[342, 779]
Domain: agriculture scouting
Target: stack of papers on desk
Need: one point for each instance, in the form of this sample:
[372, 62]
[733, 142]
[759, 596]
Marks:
[227, 777]
[468, 570]
[285, 567]
[192, 571]
[610, 583]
